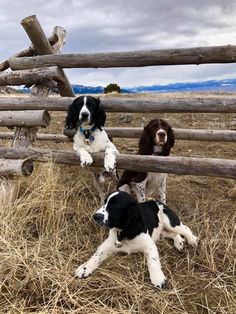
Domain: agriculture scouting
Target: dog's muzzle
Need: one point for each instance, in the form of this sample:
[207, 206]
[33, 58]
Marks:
[99, 218]
[84, 116]
[161, 138]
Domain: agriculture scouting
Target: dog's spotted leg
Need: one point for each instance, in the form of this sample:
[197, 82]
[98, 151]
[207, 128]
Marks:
[178, 240]
[106, 249]
[110, 157]
[185, 231]
[99, 183]
[157, 276]
[173, 224]
[138, 190]
[162, 190]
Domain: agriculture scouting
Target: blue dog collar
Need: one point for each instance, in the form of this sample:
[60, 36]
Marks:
[88, 133]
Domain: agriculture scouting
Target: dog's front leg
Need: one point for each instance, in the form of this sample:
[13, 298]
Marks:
[106, 249]
[85, 157]
[110, 157]
[157, 276]
[138, 190]
[161, 193]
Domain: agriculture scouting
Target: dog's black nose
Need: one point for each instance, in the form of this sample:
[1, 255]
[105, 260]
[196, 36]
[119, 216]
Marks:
[84, 115]
[161, 133]
[98, 217]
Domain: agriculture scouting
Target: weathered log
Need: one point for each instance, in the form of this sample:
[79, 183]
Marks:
[179, 165]
[36, 35]
[199, 55]
[232, 193]
[30, 77]
[25, 136]
[57, 138]
[180, 134]
[54, 39]
[60, 33]
[114, 104]
[16, 167]
[27, 118]
[232, 124]
[42, 47]
[9, 190]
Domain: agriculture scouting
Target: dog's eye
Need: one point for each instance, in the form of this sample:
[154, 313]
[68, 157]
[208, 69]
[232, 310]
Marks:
[90, 106]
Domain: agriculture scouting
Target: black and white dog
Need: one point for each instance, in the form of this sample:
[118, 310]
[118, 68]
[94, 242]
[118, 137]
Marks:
[135, 227]
[87, 116]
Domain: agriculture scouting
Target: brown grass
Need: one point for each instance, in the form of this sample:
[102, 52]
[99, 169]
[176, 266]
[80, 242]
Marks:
[49, 231]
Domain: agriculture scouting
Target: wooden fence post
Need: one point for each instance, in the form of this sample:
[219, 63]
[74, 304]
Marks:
[55, 39]
[25, 136]
[43, 47]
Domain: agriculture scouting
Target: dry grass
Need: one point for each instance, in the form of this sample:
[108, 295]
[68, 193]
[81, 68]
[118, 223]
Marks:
[48, 232]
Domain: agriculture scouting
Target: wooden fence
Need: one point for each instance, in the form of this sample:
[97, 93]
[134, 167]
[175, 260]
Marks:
[42, 66]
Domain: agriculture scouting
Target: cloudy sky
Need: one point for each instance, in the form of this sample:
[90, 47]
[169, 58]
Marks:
[121, 25]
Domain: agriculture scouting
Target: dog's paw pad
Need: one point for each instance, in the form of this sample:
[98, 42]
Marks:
[194, 240]
[158, 280]
[82, 272]
[86, 162]
[109, 165]
[179, 242]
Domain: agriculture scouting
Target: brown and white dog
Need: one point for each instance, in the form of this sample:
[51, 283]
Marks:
[157, 139]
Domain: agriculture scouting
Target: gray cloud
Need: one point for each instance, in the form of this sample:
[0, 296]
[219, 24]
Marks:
[94, 26]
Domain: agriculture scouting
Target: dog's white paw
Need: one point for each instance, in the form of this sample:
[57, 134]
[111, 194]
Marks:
[109, 165]
[193, 240]
[179, 242]
[158, 279]
[86, 161]
[83, 271]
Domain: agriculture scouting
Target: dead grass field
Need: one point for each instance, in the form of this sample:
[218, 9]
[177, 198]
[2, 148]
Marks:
[49, 231]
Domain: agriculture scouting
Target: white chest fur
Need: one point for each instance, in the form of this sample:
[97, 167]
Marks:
[99, 143]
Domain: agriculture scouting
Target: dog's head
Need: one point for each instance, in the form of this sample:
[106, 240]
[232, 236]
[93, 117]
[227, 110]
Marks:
[120, 211]
[157, 132]
[85, 111]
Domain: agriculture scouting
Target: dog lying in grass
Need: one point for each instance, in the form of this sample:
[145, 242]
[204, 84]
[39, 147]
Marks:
[135, 227]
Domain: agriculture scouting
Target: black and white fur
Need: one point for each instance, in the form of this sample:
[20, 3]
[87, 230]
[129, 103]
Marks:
[87, 116]
[135, 227]
[86, 112]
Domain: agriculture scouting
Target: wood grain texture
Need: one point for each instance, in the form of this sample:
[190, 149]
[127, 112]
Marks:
[16, 167]
[27, 118]
[134, 105]
[178, 165]
[198, 55]
[42, 47]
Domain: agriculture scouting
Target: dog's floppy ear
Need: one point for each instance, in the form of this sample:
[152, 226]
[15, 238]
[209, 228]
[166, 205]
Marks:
[73, 114]
[99, 118]
[170, 142]
[145, 143]
[134, 224]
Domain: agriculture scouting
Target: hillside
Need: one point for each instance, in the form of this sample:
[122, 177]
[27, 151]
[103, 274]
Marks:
[228, 85]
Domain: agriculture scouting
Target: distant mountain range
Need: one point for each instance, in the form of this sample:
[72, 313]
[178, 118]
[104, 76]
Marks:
[227, 85]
